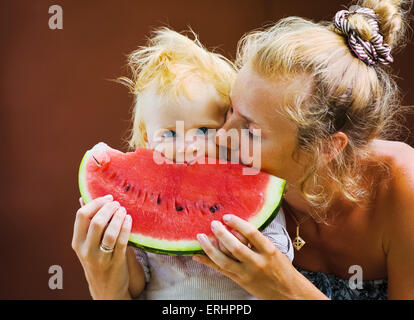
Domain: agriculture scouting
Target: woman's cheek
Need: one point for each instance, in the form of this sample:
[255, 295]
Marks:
[251, 150]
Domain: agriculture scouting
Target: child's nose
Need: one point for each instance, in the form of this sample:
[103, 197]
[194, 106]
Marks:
[187, 146]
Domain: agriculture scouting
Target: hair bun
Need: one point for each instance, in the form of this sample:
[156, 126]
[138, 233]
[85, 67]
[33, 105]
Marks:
[361, 27]
[393, 18]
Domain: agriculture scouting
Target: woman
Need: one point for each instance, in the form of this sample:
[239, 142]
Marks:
[325, 103]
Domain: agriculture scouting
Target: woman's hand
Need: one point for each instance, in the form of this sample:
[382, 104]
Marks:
[103, 221]
[262, 270]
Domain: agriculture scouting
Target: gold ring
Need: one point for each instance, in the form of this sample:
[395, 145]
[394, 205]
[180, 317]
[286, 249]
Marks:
[105, 248]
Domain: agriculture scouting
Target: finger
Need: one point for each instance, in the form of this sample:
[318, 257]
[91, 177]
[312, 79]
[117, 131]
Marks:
[113, 230]
[122, 241]
[92, 207]
[237, 249]
[222, 248]
[209, 263]
[83, 218]
[81, 202]
[218, 257]
[239, 236]
[254, 236]
[99, 223]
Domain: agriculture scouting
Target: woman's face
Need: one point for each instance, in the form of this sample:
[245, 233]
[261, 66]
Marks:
[256, 103]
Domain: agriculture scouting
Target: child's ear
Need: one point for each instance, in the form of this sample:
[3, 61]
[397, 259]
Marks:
[145, 138]
[143, 135]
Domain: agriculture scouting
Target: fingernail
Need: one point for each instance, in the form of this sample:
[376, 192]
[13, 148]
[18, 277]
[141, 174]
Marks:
[202, 238]
[108, 197]
[128, 218]
[227, 218]
[116, 203]
[215, 225]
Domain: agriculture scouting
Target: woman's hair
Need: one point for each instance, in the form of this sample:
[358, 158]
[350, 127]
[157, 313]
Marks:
[168, 61]
[347, 95]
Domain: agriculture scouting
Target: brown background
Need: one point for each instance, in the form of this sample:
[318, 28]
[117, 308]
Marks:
[57, 101]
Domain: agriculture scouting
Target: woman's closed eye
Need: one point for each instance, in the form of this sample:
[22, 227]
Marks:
[254, 132]
[202, 130]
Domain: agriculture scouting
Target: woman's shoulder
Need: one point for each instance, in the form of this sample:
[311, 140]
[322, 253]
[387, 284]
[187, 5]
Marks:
[396, 192]
[398, 158]
[396, 151]
[396, 199]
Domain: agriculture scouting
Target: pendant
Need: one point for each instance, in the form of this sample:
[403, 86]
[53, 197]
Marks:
[298, 242]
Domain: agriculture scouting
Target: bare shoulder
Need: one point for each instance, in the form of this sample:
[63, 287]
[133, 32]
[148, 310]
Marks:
[399, 158]
[397, 192]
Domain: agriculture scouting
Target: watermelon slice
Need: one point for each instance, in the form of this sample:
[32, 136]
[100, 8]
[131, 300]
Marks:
[171, 203]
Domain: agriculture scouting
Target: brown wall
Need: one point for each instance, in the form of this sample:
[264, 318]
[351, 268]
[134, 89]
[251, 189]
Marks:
[56, 101]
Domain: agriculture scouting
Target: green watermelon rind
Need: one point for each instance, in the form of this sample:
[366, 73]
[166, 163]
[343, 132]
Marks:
[260, 220]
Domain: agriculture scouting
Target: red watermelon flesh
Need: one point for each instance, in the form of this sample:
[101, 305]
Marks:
[171, 203]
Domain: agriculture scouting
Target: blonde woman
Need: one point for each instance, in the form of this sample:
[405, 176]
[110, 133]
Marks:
[327, 106]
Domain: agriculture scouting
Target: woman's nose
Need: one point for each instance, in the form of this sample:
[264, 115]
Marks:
[228, 135]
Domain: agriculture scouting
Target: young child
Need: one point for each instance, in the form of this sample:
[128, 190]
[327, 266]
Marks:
[175, 79]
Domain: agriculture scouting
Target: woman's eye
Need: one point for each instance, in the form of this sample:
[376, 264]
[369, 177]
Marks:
[169, 134]
[202, 130]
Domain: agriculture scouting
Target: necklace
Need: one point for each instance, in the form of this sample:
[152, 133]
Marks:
[298, 242]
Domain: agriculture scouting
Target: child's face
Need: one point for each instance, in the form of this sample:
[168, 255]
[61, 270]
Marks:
[201, 110]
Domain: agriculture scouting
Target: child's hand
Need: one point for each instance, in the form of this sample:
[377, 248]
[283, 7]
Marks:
[100, 240]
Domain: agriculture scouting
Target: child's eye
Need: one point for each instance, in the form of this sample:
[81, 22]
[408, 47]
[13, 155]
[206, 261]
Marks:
[169, 134]
[202, 130]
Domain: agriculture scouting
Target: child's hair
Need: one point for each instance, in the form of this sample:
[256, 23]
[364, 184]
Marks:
[169, 60]
[349, 95]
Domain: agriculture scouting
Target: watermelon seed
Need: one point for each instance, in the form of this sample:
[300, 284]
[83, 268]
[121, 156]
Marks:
[179, 208]
[213, 209]
[127, 188]
[158, 200]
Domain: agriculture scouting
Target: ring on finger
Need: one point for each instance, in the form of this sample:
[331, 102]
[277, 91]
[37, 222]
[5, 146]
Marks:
[105, 248]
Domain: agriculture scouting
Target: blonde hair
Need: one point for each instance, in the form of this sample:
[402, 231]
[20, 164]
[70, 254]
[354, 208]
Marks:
[168, 61]
[347, 95]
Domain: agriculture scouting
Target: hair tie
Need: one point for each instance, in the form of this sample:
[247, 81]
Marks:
[372, 51]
